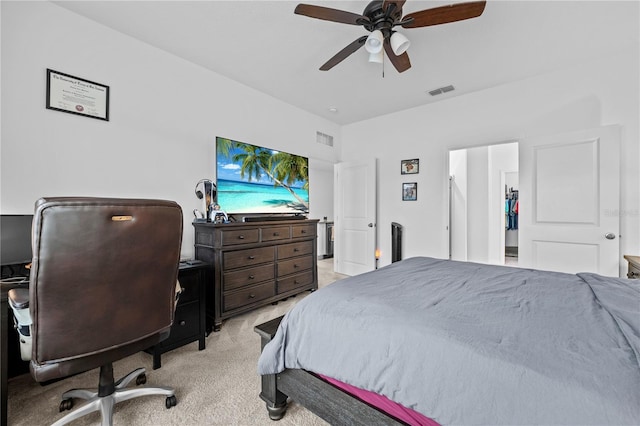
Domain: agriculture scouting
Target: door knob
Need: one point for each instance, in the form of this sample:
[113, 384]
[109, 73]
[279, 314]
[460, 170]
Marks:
[610, 236]
[370, 225]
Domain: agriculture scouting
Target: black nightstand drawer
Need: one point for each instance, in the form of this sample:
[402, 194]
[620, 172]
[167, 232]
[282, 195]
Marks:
[185, 324]
[189, 317]
[190, 282]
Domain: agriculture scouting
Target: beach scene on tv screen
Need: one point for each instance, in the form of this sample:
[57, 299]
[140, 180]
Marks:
[255, 179]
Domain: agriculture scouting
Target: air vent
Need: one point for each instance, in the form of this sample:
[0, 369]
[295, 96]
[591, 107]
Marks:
[441, 90]
[324, 139]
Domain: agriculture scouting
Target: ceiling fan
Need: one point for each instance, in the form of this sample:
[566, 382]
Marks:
[379, 18]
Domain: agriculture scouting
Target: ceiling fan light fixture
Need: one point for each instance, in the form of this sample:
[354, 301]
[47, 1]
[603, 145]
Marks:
[376, 57]
[399, 43]
[374, 42]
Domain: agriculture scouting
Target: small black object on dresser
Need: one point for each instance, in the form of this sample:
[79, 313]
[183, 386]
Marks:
[189, 321]
[255, 264]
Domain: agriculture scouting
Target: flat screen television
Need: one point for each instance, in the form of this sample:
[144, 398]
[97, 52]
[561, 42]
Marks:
[15, 236]
[252, 179]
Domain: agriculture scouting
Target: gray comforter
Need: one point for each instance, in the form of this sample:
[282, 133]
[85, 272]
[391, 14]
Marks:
[465, 343]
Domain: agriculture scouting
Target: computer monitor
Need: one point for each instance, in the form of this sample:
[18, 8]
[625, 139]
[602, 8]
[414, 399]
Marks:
[15, 239]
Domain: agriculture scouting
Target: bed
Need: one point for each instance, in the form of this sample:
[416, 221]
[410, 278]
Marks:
[460, 343]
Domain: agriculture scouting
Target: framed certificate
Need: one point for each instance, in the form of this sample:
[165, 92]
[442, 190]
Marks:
[75, 95]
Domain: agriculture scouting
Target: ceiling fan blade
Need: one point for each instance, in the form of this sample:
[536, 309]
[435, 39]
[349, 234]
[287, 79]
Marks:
[402, 62]
[344, 53]
[398, 3]
[329, 14]
[445, 14]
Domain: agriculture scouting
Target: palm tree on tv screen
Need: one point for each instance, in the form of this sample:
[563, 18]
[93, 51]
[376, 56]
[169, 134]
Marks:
[282, 168]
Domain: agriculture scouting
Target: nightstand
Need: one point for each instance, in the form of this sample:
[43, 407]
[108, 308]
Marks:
[633, 270]
[189, 322]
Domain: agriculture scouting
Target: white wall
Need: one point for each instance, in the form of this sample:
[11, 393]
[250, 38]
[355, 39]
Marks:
[321, 198]
[478, 204]
[164, 116]
[458, 204]
[590, 94]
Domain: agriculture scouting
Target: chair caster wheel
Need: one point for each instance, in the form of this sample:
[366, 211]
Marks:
[141, 379]
[171, 401]
[66, 404]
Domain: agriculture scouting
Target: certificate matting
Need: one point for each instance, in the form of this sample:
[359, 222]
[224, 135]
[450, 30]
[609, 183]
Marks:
[75, 95]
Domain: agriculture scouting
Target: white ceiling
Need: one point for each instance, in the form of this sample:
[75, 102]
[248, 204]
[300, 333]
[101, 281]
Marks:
[264, 45]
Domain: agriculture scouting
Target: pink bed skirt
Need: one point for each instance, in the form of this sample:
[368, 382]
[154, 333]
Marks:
[384, 404]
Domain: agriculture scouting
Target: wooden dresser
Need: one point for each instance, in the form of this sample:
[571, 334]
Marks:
[255, 264]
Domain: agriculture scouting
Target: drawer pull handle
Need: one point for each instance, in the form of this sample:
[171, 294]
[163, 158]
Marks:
[251, 257]
[303, 231]
[241, 237]
[252, 296]
[251, 277]
[295, 250]
[295, 265]
[275, 234]
[183, 323]
[296, 282]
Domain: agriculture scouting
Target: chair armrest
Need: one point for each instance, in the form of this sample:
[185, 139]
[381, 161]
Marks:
[18, 298]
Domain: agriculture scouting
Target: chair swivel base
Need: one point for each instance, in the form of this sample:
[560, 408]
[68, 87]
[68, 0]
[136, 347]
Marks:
[109, 394]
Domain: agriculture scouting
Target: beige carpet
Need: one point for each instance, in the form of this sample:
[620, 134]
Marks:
[215, 386]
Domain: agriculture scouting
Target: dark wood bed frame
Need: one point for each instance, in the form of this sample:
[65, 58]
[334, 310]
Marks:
[315, 394]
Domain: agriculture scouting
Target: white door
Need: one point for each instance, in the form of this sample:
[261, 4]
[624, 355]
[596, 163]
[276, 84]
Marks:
[355, 217]
[569, 201]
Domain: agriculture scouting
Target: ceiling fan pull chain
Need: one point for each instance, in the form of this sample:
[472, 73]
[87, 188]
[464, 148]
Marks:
[382, 63]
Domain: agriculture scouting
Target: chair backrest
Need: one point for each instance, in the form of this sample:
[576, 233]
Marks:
[102, 282]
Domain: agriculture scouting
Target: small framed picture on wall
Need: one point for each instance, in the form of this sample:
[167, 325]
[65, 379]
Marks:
[410, 167]
[409, 191]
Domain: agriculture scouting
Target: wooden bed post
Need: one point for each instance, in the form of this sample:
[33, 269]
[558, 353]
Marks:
[276, 401]
[328, 402]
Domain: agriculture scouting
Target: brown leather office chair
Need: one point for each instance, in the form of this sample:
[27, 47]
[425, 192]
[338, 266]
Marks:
[102, 287]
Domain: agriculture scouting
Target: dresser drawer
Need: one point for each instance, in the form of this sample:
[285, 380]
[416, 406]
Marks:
[275, 233]
[249, 257]
[295, 249]
[298, 231]
[292, 266]
[247, 276]
[239, 236]
[247, 296]
[295, 281]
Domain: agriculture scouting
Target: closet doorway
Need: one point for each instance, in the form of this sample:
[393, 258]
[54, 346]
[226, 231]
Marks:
[511, 210]
[481, 229]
